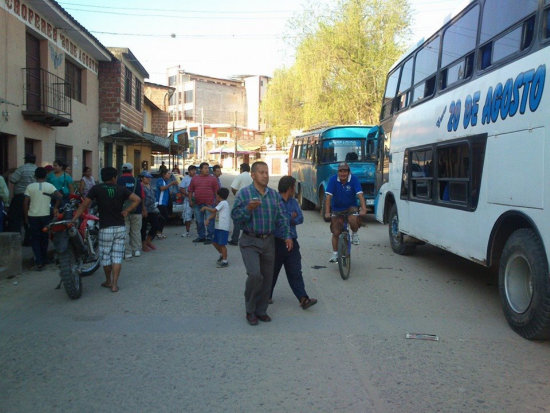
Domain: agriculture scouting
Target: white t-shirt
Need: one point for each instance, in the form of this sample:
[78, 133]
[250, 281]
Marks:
[223, 216]
[40, 203]
[241, 180]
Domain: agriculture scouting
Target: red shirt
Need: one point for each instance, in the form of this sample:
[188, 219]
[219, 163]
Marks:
[204, 188]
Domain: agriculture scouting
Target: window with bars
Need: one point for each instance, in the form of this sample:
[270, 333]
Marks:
[128, 86]
[138, 95]
[73, 78]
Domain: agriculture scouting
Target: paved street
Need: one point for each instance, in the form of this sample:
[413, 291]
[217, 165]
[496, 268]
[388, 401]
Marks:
[175, 337]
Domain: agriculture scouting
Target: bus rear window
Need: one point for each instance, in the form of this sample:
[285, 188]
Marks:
[342, 150]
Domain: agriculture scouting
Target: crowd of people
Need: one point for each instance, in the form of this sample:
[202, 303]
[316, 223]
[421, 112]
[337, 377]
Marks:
[133, 212]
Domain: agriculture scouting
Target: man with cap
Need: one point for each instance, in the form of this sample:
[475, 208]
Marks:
[132, 221]
[21, 178]
[342, 192]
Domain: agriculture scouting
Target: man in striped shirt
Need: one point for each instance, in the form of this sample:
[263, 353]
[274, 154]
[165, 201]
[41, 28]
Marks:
[259, 211]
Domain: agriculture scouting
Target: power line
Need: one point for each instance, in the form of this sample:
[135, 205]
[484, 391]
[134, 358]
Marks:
[210, 12]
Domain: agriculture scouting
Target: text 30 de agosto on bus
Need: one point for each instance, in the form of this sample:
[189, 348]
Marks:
[502, 100]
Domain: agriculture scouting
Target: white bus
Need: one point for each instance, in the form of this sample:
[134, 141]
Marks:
[469, 119]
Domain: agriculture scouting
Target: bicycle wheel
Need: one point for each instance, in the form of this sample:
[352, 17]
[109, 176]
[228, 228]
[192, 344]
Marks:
[344, 255]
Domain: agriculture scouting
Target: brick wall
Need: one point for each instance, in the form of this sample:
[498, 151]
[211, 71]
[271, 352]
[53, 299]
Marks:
[110, 91]
[112, 106]
[159, 123]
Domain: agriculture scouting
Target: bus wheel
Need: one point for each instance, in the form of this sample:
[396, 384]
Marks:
[524, 285]
[396, 237]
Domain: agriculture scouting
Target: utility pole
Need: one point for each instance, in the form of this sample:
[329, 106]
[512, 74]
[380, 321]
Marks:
[202, 134]
[235, 166]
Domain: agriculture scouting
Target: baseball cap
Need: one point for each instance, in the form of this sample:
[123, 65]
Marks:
[146, 174]
[127, 166]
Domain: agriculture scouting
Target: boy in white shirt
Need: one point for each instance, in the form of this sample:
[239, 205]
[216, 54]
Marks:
[222, 213]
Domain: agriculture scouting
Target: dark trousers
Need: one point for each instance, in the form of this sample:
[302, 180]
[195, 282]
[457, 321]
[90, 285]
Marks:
[39, 239]
[153, 219]
[292, 261]
[258, 258]
[163, 219]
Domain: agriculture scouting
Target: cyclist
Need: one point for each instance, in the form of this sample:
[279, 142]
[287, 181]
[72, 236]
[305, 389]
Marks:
[341, 193]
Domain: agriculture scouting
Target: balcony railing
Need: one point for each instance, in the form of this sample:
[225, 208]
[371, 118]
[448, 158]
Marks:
[47, 98]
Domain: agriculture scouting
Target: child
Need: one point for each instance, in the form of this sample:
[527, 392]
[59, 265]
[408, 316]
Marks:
[222, 213]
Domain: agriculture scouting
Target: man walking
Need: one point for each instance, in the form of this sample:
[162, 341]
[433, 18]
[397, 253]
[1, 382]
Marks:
[134, 220]
[259, 210]
[240, 181]
[110, 198]
[217, 172]
[37, 212]
[21, 178]
[202, 192]
[292, 260]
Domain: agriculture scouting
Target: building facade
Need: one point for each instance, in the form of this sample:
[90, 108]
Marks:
[123, 114]
[49, 86]
[217, 113]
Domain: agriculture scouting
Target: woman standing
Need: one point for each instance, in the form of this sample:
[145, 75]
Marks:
[150, 213]
[61, 180]
[87, 181]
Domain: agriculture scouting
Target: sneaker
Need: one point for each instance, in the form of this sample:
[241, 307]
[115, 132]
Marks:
[355, 238]
[199, 239]
[334, 257]
[219, 260]
[185, 235]
[127, 256]
[137, 253]
[223, 264]
[207, 242]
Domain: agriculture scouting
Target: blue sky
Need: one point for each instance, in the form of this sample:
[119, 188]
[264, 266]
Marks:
[213, 37]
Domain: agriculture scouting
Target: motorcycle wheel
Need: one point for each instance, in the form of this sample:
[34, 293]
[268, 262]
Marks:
[69, 273]
[89, 267]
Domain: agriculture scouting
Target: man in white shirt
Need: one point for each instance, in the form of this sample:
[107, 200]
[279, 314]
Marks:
[37, 213]
[240, 181]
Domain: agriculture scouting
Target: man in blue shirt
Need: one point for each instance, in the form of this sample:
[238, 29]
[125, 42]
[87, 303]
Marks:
[342, 191]
[292, 260]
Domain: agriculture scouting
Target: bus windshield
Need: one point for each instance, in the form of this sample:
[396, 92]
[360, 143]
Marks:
[342, 150]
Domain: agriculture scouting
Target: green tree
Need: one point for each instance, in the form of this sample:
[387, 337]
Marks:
[342, 58]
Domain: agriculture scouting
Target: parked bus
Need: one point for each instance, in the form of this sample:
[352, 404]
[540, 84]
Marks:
[468, 114]
[315, 155]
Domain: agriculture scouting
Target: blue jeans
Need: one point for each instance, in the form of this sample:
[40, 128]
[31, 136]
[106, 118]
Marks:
[200, 217]
[292, 261]
[39, 239]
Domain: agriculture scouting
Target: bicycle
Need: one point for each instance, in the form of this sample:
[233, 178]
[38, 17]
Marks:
[344, 246]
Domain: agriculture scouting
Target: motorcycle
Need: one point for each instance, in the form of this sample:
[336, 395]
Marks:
[76, 245]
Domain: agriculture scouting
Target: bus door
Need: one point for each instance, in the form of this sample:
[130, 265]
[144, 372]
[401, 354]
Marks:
[382, 158]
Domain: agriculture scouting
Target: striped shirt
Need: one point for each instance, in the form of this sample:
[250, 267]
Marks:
[22, 177]
[264, 219]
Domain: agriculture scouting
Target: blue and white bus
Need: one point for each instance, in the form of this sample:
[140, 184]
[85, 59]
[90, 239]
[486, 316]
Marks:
[315, 155]
[468, 115]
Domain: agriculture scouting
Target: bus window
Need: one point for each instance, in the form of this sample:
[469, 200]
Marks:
[421, 173]
[453, 170]
[303, 150]
[498, 15]
[425, 70]
[404, 93]
[459, 42]
[391, 88]
[342, 150]
[546, 23]
[405, 176]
